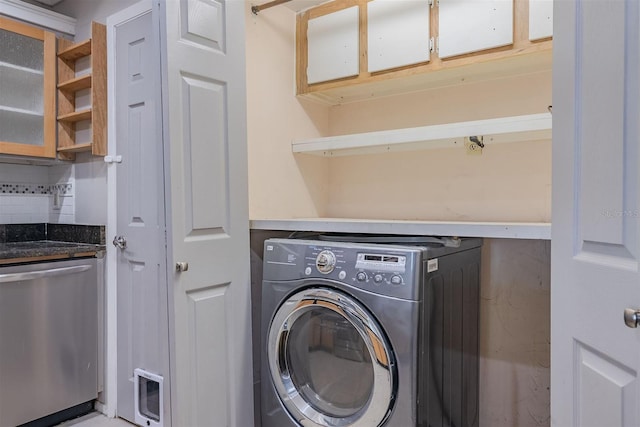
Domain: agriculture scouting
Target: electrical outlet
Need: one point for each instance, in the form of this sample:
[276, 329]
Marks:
[472, 148]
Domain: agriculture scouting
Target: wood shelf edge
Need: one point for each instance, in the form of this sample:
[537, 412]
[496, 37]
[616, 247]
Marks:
[76, 116]
[75, 51]
[78, 83]
[76, 148]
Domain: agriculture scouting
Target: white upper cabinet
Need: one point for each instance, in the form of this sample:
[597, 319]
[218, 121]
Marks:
[540, 19]
[333, 46]
[467, 26]
[398, 33]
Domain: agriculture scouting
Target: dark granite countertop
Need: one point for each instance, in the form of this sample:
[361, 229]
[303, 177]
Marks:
[33, 242]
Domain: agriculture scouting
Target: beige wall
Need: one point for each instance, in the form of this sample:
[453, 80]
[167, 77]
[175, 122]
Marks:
[514, 333]
[510, 182]
[280, 186]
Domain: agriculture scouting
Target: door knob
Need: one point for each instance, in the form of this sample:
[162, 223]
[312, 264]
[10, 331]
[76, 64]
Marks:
[120, 242]
[182, 266]
[631, 317]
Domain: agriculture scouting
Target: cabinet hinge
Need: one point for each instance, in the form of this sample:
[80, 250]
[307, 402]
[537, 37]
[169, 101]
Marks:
[431, 44]
[431, 3]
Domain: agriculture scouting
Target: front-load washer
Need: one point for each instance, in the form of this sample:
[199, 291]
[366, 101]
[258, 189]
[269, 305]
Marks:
[368, 335]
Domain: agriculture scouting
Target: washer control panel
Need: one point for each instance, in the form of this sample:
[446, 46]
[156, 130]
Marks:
[381, 268]
[391, 270]
[367, 269]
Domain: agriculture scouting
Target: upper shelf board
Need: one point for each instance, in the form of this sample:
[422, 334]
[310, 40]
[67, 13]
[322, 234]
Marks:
[531, 127]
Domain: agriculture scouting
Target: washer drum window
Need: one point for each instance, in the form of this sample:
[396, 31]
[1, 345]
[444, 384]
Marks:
[330, 362]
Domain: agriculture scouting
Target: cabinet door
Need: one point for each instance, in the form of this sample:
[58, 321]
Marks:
[27, 90]
[398, 33]
[333, 46]
[540, 19]
[467, 26]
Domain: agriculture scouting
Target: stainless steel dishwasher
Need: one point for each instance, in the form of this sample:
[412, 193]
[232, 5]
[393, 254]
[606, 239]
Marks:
[48, 338]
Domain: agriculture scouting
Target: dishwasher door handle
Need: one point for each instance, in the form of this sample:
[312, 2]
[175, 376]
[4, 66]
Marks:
[53, 272]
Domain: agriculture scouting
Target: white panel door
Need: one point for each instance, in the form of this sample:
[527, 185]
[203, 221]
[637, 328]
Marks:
[595, 357]
[142, 312]
[333, 46]
[540, 19]
[398, 33]
[204, 100]
[466, 26]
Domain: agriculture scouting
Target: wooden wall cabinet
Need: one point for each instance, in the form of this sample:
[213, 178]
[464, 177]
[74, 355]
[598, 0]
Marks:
[408, 45]
[69, 84]
[27, 90]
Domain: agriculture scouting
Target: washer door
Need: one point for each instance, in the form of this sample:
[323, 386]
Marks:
[330, 362]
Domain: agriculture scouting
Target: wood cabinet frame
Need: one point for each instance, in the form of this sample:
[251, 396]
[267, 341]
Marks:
[69, 84]
[521, 57]
[48, 147]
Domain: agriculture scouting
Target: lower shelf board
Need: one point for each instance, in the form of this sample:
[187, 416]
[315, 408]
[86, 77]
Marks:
[76, 148]
[499, 230]
[75, 116]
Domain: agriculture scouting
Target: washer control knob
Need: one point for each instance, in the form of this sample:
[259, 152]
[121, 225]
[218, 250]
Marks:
[396, 280]
[361, 276]
[377, 278]
[326, 262]
[342, 275]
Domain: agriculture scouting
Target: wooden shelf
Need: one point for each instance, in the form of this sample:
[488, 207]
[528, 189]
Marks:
[77, 148]
[497, 230]
[68, 86]
[79, 83]
[76, 116]
[501, 130]
[76, 51]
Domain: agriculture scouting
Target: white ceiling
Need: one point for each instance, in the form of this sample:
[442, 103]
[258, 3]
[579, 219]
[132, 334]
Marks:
[46, 2]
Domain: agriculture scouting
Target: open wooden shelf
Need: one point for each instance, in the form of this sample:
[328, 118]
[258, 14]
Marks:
[76, 116]
[68, 86]
[76, 148]
[74, 85]
[75, 51]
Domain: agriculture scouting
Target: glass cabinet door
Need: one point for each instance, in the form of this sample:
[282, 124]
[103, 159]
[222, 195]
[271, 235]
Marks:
[27, 90]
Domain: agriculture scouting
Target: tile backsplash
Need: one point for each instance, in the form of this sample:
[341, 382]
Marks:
[36, 202]
[37, 194]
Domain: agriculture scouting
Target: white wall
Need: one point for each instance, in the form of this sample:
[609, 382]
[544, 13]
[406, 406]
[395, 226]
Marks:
[90, 172]
[35, 194]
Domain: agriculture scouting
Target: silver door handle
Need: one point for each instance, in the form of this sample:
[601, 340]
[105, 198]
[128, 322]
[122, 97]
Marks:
[120, 242]
[182, 266]
[631, 317]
